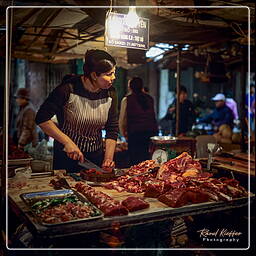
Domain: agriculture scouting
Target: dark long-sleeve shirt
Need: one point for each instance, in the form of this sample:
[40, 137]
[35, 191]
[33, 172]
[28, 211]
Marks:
[81, 114]
[219, 116]
[187, 116]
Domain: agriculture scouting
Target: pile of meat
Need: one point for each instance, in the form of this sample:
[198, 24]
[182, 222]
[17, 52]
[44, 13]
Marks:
[65, 212]
[179, 168]
[135, 184]
[179, 181]
[104, 202]
[172, 171]
[108, 205]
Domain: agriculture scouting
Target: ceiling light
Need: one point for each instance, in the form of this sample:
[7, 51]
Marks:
[115, 26]
[132, 19]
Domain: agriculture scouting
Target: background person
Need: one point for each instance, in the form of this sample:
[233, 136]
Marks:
[187, 113]
[84, 105]
[222, 118]
[222, 114]
[231, 103]
[137, 121]
[25, 123]
[251, 109]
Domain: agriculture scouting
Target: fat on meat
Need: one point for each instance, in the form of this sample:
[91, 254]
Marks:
[179, 165]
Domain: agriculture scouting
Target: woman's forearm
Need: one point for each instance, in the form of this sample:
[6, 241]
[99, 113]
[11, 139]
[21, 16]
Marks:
[110, 149]
[50, 128]
[72, 150]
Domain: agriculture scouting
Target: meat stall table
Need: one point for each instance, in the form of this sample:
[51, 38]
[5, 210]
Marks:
[235, 165]
[157, 212]
[238, 163]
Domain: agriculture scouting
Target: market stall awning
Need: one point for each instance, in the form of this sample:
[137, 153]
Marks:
[56, 35]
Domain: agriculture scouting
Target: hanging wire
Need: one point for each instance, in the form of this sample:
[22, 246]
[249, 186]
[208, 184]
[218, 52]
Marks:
[238, 29]
[106, 24]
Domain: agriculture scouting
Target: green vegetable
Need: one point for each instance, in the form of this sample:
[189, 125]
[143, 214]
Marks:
[42, 204]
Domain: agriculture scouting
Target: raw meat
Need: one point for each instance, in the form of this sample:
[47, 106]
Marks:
[181, 165]
[133, 203]
[104, 202]
[182, 196]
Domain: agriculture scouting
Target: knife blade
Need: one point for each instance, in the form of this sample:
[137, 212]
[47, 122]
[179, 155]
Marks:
[89, 165]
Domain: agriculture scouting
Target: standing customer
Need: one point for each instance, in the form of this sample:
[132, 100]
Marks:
[137, 121]
[84, 105]
[25, 123]
[187, 113]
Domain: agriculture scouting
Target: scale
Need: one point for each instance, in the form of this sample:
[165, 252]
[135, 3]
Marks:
[161, 148]
[160, 156]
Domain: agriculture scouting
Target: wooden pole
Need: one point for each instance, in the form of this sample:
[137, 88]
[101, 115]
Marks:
[178, 92]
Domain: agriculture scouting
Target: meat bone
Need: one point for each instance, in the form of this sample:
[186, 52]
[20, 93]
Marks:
[151, 170]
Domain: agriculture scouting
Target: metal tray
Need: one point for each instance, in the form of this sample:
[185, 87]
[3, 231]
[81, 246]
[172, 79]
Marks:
[17, 161]
[163, 139]
[31, 198]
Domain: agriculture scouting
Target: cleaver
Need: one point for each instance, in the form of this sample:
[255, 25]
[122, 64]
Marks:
[90, 165]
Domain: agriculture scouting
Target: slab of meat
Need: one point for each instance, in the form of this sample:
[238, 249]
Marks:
[174, 198]
[133, 203]
[108, 205]
[154, 189]
[182, 196]
[96, 176]
[158, 187]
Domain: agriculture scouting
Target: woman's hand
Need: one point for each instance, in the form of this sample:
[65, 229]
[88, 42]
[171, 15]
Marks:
[73, 151]
[108, 164]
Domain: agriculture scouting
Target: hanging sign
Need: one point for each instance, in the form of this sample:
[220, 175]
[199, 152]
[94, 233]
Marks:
[119, 33]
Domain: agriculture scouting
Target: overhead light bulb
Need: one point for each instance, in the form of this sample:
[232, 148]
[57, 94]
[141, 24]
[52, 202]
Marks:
[114, 26]
[132, 19]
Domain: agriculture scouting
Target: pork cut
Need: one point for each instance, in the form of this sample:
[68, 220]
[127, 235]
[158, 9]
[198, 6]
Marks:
[134, 203]
[182, 196]
[108, 205]
[182, 165]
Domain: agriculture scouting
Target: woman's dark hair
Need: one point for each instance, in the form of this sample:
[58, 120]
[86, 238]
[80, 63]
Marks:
[67, 78]
[97, 61]
[136, 85]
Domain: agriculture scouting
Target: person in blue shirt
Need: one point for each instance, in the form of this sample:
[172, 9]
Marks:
[222, 118]
[221, 114]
